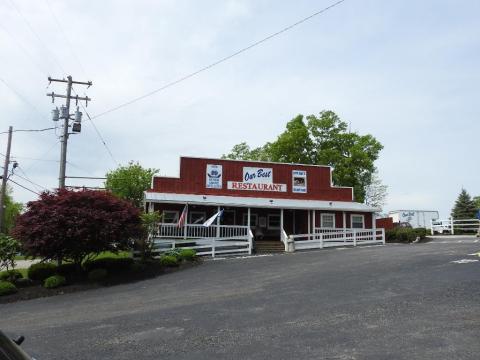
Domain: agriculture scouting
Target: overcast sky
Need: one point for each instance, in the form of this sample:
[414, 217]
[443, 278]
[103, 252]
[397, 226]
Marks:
[404, 71]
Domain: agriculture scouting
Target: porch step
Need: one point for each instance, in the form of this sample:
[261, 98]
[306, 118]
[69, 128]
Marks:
[269, 246]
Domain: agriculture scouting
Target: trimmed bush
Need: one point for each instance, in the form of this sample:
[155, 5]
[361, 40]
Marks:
[168, 260]
[10, 275]
[97, 275]
[188, 254]
[54, 281]
[405, 235]
[112, 265]
[173, 252]
[72, 272]
[23, 282]
[7, 288]
[41, 271]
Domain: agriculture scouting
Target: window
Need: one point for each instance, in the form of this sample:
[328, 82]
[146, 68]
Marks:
[253, 220]
[358, 221]
[327, 221]
[196, 217]
[273, 221]
[170, 217]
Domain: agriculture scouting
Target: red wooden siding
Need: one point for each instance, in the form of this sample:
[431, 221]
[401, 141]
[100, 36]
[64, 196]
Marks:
[193, 173]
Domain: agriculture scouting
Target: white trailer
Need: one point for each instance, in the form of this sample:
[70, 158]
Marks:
[416, 218]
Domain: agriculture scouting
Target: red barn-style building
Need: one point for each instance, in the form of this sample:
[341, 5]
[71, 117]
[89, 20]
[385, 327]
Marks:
[263, 201]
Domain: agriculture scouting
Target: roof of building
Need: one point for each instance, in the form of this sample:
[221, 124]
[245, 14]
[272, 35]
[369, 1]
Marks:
[257, 202]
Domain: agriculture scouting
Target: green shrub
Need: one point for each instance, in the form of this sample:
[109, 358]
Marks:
[72, 272]
[173, 252]
[168, 260]
[112, 265]
[405, 235]
[7, 288]
[54, 281]
[10, 275]
[23, 282]
[41, 271]
[97, 275]
[188, 254]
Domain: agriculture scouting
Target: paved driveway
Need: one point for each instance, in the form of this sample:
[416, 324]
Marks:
[388, 302]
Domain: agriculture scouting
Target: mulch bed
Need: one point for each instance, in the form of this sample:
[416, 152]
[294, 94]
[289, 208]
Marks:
[38, 291]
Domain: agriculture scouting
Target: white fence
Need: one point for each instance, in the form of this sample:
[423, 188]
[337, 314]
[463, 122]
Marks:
[323, 238]
[207, 241]
[199, 231]
[450, 226]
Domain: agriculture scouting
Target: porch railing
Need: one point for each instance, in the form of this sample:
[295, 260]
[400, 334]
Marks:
[322, 238]
[207, 241]
[166, 230]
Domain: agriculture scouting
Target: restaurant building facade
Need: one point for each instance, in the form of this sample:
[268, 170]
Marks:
[294, 205]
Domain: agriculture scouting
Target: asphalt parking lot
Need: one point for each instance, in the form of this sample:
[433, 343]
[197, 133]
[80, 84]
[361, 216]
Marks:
[385, 302]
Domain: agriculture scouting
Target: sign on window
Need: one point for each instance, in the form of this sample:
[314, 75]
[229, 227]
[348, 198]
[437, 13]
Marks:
[299, 181]
[214, 176]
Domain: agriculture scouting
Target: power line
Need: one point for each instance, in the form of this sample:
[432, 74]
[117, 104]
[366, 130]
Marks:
[29, 130]
[98, 132]
[224, 59]
[37, 36]
[24, 187]
[23, 98]
[67, 40]
[26, 178]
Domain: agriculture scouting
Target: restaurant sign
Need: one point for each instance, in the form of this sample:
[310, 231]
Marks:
[257, 179]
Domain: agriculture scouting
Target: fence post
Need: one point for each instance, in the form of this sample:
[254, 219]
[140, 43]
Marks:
[249, 242]
[354, 237]
[383, 236]
[213, 247]
[451, 226]
[431, 226]
[321, 241]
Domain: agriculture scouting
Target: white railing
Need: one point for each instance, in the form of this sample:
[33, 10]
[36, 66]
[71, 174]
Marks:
[322, 238]
[452, 225]
[284, 239]
[205, 246]
[199, 231]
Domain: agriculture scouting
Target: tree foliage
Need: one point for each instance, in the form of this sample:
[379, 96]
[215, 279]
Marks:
[149, 227]
[9, 247]
[129, 182]
[72, 225]
[376, 192]
[12, 210]
[321, 140]
[476, 200]
[464, 207]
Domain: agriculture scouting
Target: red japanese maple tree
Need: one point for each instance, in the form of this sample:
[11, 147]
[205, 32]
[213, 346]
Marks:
[72, 225]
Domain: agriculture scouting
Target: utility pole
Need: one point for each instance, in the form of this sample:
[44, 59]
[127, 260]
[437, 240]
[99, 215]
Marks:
[4, 181]
[66, 116]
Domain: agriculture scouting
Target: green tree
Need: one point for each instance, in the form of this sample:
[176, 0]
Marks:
[476, 200]
[12, 210]
[321, 140]
[376, 192]
[464, 206]
[129, 182]
[9, 247]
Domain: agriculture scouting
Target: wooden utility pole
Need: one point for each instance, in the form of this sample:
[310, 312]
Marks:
[3, 193]
[65, 115]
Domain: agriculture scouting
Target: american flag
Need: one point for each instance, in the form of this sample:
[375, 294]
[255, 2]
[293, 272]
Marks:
[183, 217]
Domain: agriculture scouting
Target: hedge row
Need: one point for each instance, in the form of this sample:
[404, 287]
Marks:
[405, 235]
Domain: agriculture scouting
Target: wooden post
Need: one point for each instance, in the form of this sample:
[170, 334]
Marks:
[249, 231]
[313, 226]
[281, 221]
[308, 225]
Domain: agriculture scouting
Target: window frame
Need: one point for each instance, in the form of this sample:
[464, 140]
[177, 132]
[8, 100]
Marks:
[175, 216]
[190, 213]
[273, 227]
[360, 216]
[322, 221]
[253, 223]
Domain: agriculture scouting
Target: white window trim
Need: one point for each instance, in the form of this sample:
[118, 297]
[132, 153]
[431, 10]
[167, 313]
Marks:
[202, 213]
[321, 220]
[175, 217]
[268, 222]
[358, 215]
[253, 220]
